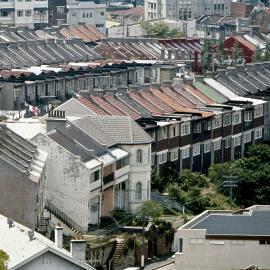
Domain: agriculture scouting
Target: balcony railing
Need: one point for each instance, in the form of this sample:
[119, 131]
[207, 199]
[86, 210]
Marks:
[108, 179]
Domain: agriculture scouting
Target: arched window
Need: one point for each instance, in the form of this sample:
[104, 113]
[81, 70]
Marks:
[138, 192]
[139, 156]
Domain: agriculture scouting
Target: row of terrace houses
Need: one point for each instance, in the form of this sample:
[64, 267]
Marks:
[89, 171]
[193, 123]
[39, 86]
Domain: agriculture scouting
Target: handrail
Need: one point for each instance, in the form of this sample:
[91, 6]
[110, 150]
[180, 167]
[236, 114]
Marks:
[62, 216]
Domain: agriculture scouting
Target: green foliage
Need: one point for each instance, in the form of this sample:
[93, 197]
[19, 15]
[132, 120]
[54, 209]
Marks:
[252, 173]
[151, 209]
[207, 55]
[3, 118]
[237, 52]
[267, 52]
[221, 55]
[128, 245]
[258, 56]
[3, 260]
[195, 192]
[160, 30]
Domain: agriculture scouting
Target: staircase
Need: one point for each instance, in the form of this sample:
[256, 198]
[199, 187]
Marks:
[63, 218]
[117, 253]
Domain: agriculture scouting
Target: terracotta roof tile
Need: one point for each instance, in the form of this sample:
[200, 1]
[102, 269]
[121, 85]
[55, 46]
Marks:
[179, 98]
[154, 110]
[156, 101]
[92, 106]
[197, 93]
[106, 106]
[123, 107]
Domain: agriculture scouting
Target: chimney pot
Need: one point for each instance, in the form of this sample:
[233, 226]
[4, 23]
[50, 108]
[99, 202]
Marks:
[10, 222]
[58, 236]
[78, 249]
[31, 235]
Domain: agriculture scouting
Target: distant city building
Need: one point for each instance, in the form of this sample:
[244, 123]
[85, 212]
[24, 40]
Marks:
[183, 10]
[57, 12]
[24, 13]
[88, 13]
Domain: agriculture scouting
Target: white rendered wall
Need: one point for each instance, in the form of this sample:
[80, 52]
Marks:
[67, 181]
[213, 255]
[139, 172]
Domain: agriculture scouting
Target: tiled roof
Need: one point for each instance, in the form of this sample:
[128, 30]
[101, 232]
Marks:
[87, 33]
[123, 107]
[198, 94]
[179, 98]
[145, 103]
[210, 92]
[244, 42]
[147, 48]
[113, 130]
[106, 106]
[156, 101]
[96, 109]
[137, 11]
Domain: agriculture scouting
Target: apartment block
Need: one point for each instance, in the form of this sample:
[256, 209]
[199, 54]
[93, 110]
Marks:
[29, 13]
[88, 13]
[185, 9]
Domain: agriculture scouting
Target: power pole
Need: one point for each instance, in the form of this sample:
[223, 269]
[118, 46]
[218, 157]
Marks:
[231, 183]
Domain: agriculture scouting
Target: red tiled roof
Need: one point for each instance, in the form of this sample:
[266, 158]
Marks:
[197, 93]
[154, 110]
[179, 98]
[106, 106]
[92, 106]
[137, 11]
[123, 107]
[156, 101]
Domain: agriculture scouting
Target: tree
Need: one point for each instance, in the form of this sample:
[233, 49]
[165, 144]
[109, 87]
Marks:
[151, 209]
[267, 52]
[159, 30]
[237, 53]
[221, 54]
[207, 55]
[3, 260]
[252, 173]
[258, 55]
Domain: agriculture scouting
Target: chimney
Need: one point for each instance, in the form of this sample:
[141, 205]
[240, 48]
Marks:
[166, 84]
[10, 222]
[155, 85]
[178, 81]
[58, 236]
[169, 53]
[145, 86]
[3, 130]
[85, 94]
[162, 54]
[98, 92]
[78, 249]
[110, 92]
[122, 89]
[31, 235]
[56, 120]
[133, 87]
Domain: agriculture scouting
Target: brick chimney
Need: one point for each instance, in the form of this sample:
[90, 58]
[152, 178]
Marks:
[78, 249]
[56, 120]
[58, 236]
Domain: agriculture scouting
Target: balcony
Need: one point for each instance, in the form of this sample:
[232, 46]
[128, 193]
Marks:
[123, 171]
[8, 4]
[95, 185]
[108, 179]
